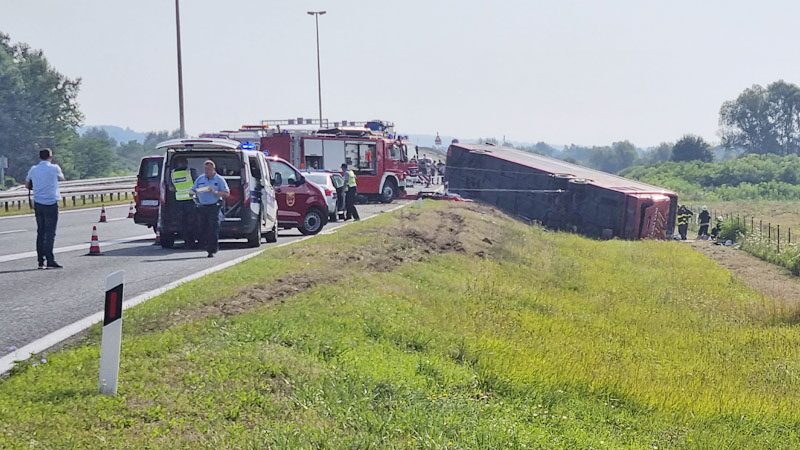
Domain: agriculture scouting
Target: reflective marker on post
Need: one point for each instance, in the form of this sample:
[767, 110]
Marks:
[111, 342]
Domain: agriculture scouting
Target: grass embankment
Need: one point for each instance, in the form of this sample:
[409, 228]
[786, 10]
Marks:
[434, 327]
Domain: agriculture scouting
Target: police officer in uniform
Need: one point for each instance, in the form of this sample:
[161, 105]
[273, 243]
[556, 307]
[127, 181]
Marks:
[182, 181]
[684, 216]
[211, 189]
[350, 199]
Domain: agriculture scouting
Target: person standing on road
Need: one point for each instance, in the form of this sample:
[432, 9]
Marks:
[182, 182]
[350, 200]
[704, 219]
[684, 216]
[43, 179]
[210, 189]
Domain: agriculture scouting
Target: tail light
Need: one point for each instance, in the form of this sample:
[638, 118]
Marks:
[328, 192]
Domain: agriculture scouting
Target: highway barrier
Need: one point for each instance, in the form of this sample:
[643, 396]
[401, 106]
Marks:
[17, 203]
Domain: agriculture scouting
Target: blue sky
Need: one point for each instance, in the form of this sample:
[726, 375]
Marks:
[568, 71]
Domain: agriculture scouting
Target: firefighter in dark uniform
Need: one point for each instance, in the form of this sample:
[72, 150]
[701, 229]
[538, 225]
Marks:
[717, 227]
[704, 219]
[684, 217]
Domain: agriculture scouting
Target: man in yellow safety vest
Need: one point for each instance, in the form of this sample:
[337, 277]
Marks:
[182, 179]
[350, 199]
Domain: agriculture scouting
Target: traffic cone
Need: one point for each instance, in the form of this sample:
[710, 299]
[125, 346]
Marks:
[103, 214]
[94, 248]
[131, 211]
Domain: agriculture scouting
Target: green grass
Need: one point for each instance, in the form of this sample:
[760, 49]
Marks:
[551, 341]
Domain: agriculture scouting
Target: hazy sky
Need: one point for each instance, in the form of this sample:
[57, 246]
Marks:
[561, 71]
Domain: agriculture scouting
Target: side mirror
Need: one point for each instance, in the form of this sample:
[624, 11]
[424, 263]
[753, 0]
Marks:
[300, 181]
[277, 179]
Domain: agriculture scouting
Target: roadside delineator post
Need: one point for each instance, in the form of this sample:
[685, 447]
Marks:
[111, 342]
[94, 247]
[131, 211]
[102, 214]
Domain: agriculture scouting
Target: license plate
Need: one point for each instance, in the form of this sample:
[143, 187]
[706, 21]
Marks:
[149, 202]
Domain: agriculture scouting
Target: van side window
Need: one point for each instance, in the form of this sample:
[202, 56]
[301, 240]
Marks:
[288, 175]
[255, 168]
[150, 169]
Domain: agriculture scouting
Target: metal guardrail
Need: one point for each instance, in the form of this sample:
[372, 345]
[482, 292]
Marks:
[71, 187]
[74, 199]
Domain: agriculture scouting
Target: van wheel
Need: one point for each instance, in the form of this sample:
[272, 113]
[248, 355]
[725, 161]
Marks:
[254, 239]
[167, 241]
[272, 236]
[389, 191]
[312, 222]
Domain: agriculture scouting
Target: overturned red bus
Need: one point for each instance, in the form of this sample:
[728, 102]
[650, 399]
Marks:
[561, 195]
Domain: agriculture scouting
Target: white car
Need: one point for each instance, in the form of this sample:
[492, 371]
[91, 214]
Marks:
[332, 185]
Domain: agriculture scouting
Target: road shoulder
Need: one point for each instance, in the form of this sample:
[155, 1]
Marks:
[768, 279]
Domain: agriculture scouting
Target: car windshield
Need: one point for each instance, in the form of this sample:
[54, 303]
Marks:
[318, 178]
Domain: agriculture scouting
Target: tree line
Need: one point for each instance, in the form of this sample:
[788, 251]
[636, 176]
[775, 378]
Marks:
[39, 109]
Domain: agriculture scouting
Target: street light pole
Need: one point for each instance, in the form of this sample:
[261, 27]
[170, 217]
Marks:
[180, 68]
[316, 15]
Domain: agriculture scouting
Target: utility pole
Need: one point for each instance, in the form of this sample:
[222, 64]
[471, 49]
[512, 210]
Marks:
[316, 15]
[180, 68]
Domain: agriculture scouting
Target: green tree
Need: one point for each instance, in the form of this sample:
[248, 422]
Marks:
[692, 148]
[38, 108]
[763, 120]
[658, 154]
[94, 154]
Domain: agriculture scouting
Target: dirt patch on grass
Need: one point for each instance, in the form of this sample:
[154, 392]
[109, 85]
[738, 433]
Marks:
[769, 279]
[418, 235]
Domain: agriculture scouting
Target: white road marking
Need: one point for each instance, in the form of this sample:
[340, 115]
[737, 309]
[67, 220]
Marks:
[43, 343]
[12, 231]
[72, 248]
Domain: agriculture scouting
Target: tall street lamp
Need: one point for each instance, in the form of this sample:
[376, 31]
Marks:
[316, 15]
[180, 68]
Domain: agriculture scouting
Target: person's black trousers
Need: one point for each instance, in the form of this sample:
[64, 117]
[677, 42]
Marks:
[703, 230]
[683, 229]
[209, 227]
[350, 203]
[46, 223]
[187, 211]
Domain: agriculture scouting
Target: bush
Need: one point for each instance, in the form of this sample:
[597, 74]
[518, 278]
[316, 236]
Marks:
[751, 177]
[732, 231]
[760, 246]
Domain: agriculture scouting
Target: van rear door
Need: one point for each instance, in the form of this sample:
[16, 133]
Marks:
[147, 192]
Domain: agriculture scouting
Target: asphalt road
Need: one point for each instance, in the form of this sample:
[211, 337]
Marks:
[34, 303]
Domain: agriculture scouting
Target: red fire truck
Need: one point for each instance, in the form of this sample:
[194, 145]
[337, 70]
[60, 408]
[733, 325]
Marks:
[371, 149]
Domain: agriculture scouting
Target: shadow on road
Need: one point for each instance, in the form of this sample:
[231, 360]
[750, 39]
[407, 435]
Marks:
[33, 269]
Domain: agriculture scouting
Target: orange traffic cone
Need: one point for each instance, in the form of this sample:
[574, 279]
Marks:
[131, 211]
[94, 248]
[103, 214]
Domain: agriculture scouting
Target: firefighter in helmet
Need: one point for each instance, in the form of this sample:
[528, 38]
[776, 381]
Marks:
[704, 220]
[684, 216]
[717, 227]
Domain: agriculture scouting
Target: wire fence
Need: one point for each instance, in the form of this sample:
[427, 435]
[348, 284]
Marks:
[767, 232]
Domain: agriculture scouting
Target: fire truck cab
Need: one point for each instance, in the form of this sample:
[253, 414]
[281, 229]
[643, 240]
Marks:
[380, 163]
